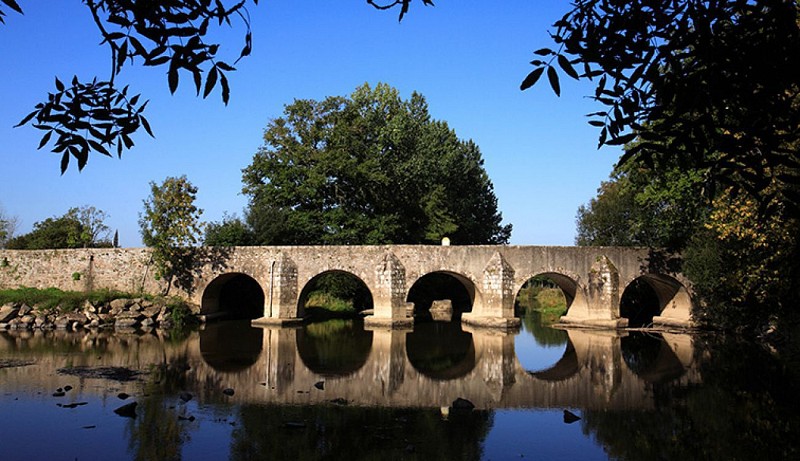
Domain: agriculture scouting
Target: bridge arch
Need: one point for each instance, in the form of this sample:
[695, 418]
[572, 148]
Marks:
[334, 348]
[233, 295]
[443, 285]
[650, 358]
[568, 282]
[648, 296]
[347, 283]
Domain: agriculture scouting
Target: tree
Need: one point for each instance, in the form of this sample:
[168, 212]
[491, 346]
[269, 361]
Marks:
[101, 115]
[370, 168]
[231, 231]
[715, 83]
[170, 226]
[78, 228]
[8, 225]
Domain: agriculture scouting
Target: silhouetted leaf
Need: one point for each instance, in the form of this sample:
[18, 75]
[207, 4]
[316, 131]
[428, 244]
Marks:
[552, 76]
[45, 139]
[211, 80]
[13, 5]
[565, 65]
[531, 79]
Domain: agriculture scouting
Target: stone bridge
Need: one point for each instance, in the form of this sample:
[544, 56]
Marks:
[594, 279]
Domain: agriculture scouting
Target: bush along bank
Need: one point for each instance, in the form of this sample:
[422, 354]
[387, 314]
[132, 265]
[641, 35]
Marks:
[126, 312]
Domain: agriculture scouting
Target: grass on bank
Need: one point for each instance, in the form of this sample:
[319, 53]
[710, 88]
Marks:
[322, 304]
[550, 302]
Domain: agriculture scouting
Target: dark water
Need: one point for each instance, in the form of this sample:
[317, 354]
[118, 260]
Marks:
[334, 390]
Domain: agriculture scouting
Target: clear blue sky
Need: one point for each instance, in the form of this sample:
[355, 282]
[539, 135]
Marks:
[467, 57]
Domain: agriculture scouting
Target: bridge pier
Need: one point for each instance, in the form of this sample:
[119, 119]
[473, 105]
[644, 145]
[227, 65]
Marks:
[388, 352]
[389, 295]
[496, 308]
[281, 297]
[601, 307]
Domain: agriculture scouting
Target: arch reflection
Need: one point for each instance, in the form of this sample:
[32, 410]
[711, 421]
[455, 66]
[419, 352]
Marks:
[441, 350]
[650, 358]
[336, 347]
[231, 346]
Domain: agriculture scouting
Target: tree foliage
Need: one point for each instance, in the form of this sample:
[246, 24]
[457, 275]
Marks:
[713, 83]
[170, 226]
[367, 169]
[231, 231]
[100, 116]
[82, 227]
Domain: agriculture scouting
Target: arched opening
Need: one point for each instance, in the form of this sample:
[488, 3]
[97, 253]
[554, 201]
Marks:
[648, 296]
[335, 347]
[233, 296]
[441, 350]
[334, 294]
[650, 357]
[232, 346]
[441, 296]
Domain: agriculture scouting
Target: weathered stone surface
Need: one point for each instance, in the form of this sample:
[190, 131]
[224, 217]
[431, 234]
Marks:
[24, 310]
[126, 323]
[8, 312]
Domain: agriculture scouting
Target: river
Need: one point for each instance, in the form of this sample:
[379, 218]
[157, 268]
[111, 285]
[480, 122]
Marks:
[334, 390]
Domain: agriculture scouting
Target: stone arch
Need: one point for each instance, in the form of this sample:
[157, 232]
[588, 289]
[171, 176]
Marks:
[233, 295]
[570, 284]
[656, 298]
[464, 289]
[309, 285]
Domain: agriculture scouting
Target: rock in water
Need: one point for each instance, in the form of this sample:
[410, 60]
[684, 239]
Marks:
[462, 404]
[228, 391]
[185, 396]
[320, 385]
[127, 411]
[570, 417]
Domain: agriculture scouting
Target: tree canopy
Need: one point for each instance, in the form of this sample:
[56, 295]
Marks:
[82, 227]
[370, 168]
[712, 83]
[170, 226]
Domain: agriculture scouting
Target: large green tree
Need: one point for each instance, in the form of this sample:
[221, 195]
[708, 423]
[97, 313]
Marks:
[367, 169]
[170, 226]
[82, 227]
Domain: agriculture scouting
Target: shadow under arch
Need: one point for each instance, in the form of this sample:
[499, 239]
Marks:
[649, 295]
[650, 358]
[235, 296]
[564, 369]
[231, 346]
[442, 286]
[334, 348]
[338, 283]
[441, 350]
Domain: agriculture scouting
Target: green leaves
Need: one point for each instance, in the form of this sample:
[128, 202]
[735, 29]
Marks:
[370, 168]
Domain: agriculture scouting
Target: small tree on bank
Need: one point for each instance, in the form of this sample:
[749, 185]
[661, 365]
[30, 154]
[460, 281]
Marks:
[170, 226]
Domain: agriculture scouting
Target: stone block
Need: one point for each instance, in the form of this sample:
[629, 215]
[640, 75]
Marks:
[8, 312]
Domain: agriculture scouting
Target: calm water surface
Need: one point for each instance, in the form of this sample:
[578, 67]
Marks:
[334, 390]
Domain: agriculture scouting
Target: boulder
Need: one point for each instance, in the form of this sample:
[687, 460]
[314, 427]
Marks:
[24, 310]
[8, 312]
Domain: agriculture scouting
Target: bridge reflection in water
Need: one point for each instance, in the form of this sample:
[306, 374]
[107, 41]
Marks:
[430, 366]
[437, 363]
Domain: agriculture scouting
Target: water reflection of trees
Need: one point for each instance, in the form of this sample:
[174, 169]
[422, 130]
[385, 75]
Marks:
[541, 332]
[357, 433]
[745, 409]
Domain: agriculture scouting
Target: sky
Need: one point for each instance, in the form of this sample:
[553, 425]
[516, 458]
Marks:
[467, 57]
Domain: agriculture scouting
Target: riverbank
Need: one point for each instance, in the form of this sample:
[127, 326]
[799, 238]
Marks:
[50, 309]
